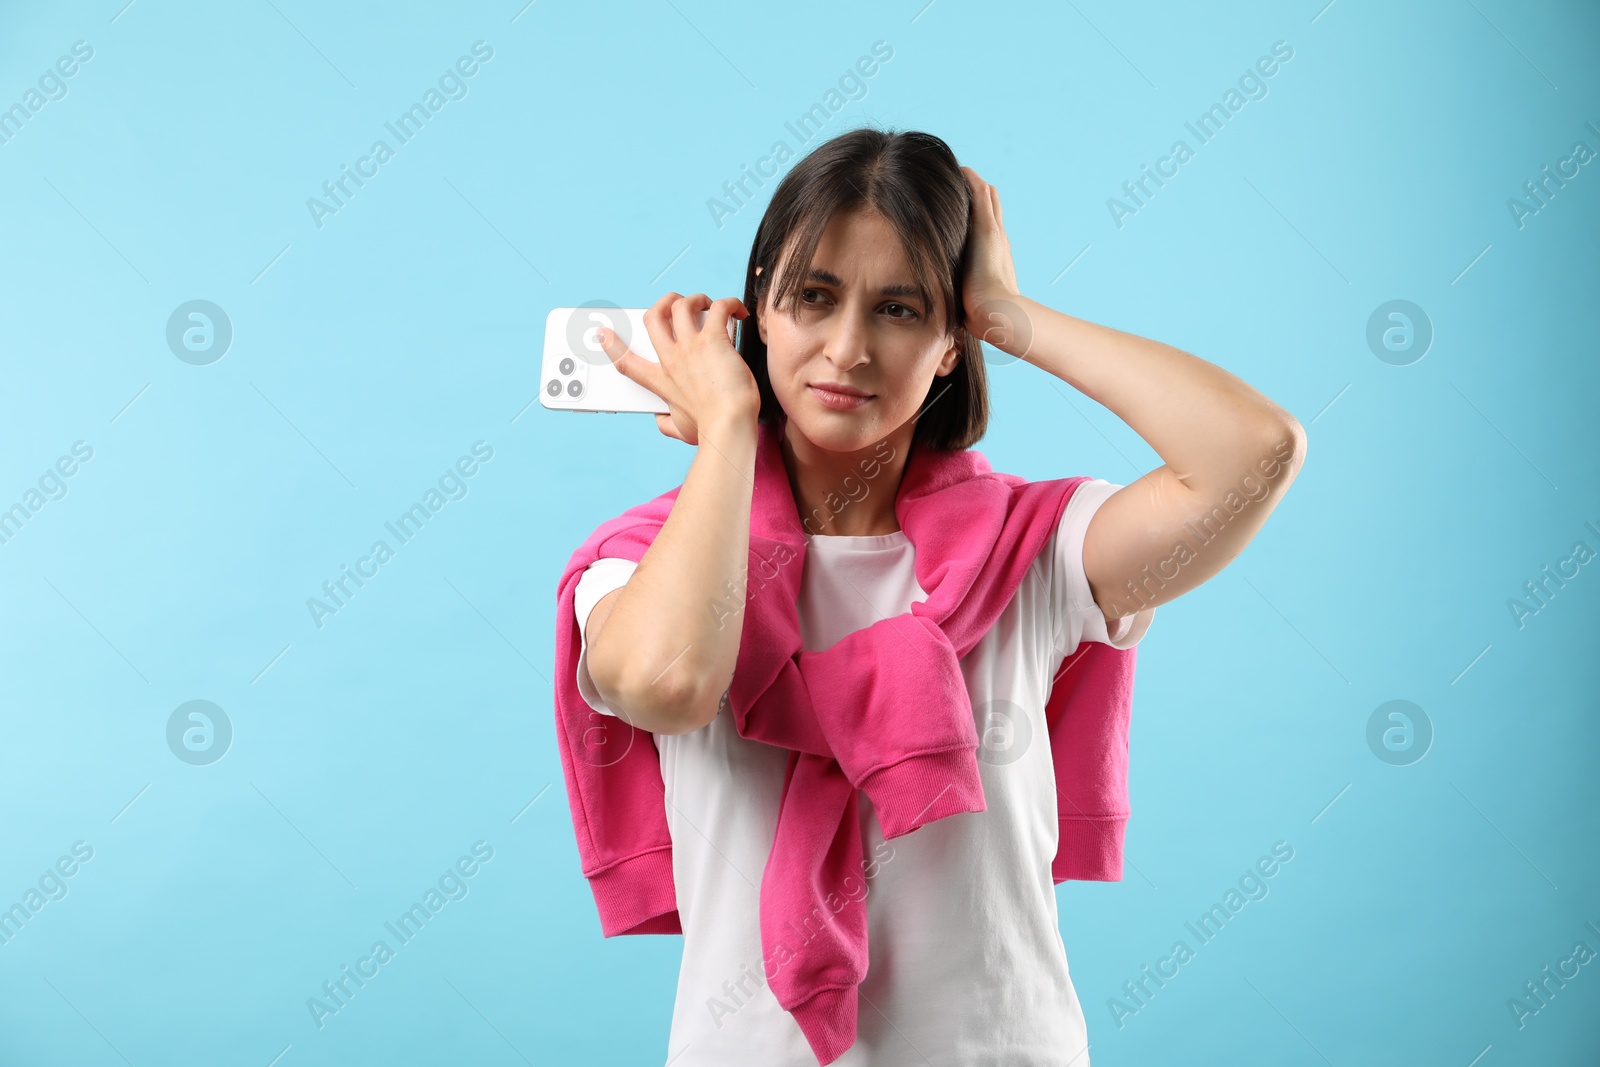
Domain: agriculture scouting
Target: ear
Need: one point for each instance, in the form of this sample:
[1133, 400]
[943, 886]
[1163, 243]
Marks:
[760, 311]
[953, 356]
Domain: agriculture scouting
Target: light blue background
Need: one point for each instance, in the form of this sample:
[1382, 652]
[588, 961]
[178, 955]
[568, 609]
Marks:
[370, 353]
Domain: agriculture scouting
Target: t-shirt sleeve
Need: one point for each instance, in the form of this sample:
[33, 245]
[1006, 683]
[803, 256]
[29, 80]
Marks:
[599, 578]
[1076, 616]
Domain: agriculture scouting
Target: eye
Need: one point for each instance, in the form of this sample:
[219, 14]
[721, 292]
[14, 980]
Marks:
[910, 312]
[803, 293]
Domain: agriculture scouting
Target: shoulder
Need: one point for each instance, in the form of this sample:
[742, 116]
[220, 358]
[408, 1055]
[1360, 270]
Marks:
[1076, 617]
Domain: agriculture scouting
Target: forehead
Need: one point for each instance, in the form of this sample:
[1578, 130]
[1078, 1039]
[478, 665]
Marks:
[859, 247]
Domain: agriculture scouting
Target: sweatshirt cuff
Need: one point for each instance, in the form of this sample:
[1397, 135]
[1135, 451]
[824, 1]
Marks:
[827, 1018]
[637, 896]
[922, 788]
[1089, 849]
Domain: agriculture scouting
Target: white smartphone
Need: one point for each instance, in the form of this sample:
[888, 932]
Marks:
[577, 375]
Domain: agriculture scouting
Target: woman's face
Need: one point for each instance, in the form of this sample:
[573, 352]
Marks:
[861, 325]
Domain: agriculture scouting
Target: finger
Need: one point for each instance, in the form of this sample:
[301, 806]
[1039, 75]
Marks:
[683, 311]
[657, 321]
[665, 424]
[630, 364]
[994, 200]
[720, 310]
[684, 432]
[982, 205]
[974, 184]
[659, 326]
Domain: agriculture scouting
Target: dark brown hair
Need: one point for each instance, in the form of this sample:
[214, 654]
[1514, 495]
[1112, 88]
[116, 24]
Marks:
[913, 180]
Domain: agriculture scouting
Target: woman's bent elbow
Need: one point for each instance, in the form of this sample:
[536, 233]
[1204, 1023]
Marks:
[664, 705]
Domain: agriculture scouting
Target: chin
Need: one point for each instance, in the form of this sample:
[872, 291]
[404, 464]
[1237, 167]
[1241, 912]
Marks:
[834, 431]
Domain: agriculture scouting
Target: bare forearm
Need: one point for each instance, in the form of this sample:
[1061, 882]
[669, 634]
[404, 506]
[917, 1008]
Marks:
[1205, 423]
[673, 637]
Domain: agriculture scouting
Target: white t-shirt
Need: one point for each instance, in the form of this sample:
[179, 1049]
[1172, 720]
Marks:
[966, 964]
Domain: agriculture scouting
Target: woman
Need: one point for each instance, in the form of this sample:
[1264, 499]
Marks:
[877, 268]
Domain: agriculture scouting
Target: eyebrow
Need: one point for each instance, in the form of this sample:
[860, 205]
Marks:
[827, 277]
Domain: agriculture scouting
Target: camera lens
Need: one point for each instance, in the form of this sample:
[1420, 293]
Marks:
[567, 365]
[574, 388]
[554, 388]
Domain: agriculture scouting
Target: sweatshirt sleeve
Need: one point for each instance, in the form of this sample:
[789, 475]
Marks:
[601, 577]
[1074, 613]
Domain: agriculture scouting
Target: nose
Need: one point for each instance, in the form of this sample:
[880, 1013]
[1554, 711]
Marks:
[845, 344]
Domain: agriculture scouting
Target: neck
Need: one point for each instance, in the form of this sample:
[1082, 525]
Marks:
[846, 494]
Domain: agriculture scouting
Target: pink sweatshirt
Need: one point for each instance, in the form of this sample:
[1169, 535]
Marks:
[885, 711]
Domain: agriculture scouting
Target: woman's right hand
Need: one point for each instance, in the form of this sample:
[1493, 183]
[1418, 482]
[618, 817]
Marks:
[701, 376]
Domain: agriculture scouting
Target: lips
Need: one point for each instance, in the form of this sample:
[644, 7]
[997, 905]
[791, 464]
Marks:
[833, 396]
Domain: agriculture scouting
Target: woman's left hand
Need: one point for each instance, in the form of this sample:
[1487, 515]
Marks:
[989, 287]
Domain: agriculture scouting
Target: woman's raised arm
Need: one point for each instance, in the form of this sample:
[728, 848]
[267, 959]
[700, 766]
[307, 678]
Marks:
[1230, 453]
[662, 649]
